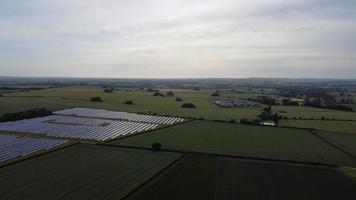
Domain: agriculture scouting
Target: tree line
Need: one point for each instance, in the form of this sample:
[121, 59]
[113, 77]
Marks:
[28, 114]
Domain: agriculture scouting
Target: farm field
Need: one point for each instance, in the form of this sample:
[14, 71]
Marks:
[346, 142]
[337, 126]
[144, 102]
[243, 140]
[17, 104]
[82, 172]
[310, 112]
[197, 177]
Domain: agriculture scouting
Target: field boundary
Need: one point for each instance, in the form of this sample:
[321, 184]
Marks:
[230, 156]
[333, 145]
[237, 123]
[40, 153]
[323, 120]
[170, 165]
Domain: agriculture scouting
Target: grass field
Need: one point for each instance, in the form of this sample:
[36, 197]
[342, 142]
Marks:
[220, 178]
[242, 140]
[144, 102]
[82, 172]
[337, 126]
[346, 142]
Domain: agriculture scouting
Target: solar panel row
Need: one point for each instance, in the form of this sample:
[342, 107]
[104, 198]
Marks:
[76, 128]
[12, 146]
[105, 114]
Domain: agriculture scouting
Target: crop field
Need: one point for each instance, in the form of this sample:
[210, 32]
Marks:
[82, 172]
[346, 142]
[337, 126]
[197, 177]
[144, 102]
[310, 112]
[243, 140]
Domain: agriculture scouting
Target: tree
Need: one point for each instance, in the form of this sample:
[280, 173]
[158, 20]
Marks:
[170, 94]
[179, 99]
[233, 121]
[156, 146]
[32, 113]
[129, 102]
[188, 105]
[96, 99]
[215, 94]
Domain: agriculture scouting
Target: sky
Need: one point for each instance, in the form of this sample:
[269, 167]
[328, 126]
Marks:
[178, 38]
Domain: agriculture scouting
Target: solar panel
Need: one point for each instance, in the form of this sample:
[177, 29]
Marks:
[105, 114]
[76, 128]
[13, 146]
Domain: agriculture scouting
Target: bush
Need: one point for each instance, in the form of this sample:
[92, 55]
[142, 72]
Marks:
[108, 91]
[96, 99]
[179, 99]
[156, 146]
[188, 105]
[246, 121]
[232, 121]
[157, 94]
[129, 102]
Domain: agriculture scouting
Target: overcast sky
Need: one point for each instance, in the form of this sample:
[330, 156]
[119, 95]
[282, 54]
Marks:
[178, 38]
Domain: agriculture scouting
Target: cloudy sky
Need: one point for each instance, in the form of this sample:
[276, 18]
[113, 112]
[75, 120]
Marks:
[178, 38]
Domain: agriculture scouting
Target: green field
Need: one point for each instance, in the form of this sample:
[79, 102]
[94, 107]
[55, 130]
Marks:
[243, 140]
[82, 172]
[346, 142]
[207, 178]
[337, 126]
[144, 102]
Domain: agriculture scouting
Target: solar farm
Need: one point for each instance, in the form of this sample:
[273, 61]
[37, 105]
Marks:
[104, 114]
[13, 147]
[233, 102]
[88, 124]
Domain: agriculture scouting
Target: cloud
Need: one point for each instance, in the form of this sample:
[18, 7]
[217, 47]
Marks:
[178, 38]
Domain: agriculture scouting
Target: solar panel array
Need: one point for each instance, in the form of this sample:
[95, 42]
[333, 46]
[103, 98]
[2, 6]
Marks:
[105, 114]
[12, 146]
[76, 127]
